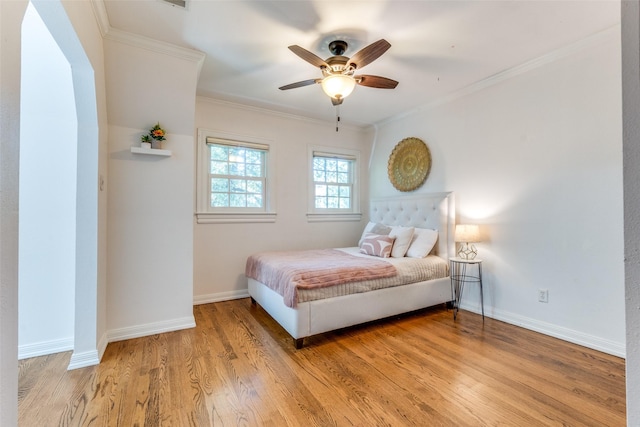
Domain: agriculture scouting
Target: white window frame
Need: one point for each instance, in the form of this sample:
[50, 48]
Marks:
[324, 215]
[204, 212]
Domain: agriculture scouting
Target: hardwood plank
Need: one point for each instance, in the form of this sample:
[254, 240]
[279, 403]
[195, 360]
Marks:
[239, 367]
[542, 382]
[34, 384]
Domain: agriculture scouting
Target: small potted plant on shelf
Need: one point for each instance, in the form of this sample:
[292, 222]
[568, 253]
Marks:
[145, 141]
[153, 138]
[157, 135]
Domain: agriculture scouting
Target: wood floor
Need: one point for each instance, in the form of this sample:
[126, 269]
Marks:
[239, 368]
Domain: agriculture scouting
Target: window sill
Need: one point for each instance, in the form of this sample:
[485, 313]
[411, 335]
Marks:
[333, 217]
[231, 218]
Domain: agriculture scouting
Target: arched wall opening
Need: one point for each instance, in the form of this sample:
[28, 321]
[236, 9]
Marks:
[48, 140]
[83, 138]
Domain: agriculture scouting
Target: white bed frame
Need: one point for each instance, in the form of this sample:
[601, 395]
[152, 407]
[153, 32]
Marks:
[431, 210]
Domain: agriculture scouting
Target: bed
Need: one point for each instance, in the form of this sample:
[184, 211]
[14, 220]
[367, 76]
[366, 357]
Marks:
[307, 316]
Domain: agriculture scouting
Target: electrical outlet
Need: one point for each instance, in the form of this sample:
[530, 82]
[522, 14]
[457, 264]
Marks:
[543, 295]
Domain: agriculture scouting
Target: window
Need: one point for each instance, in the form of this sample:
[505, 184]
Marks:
[333, 182]
[233, 179]
[333, 185]
[237, 176]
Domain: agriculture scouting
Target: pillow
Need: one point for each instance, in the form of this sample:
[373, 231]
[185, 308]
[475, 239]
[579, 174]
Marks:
[381, 229]
[367, 229]
[376, 228]
[377, 245]
[403, 237]
[422, 243]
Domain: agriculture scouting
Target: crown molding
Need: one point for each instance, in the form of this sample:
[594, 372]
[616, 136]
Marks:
[502, 76]
[275, 113]
[147, 43]
[100, 12]
[136, 40]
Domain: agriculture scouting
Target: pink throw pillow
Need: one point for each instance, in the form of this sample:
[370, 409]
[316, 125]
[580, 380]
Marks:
[377, 245]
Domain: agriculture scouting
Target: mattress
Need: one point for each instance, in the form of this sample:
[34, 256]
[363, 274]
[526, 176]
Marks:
[410, 270]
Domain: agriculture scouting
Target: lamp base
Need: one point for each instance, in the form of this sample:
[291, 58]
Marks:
[467, 251]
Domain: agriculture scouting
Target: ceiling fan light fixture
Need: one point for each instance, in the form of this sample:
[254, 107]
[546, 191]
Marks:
[338, 86]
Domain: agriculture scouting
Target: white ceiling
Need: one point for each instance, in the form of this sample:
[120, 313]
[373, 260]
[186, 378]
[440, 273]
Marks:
[437, 47]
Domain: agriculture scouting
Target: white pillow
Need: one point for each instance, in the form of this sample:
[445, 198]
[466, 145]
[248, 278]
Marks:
[403, 237]
[376, 228]
[422, 243]
[367, 229]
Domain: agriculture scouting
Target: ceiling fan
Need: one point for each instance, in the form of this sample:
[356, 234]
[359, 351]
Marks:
[338, 72]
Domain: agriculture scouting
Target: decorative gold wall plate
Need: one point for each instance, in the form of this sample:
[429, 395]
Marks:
[409, 164]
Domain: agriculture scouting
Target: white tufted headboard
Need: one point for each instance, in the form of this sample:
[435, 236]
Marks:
[429, 210]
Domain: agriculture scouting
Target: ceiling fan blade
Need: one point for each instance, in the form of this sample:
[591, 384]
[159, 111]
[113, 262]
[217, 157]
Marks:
[368, 54]
[300, 84]
[311, 58]
[376, 81]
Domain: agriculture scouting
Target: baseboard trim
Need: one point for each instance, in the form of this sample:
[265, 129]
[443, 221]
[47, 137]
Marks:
[89, 358]
[44, 348]
[82, 360]
[102, 345]
[220, 296]
[93, 357]
[586, 340]
[151, 329]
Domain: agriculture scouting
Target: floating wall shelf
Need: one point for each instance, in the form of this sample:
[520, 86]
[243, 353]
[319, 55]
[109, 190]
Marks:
[151, 151]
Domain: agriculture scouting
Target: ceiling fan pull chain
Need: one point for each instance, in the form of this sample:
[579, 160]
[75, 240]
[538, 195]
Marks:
[337, 117]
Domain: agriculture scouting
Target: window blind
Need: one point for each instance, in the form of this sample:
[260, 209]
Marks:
[334, 155]
[232, 143]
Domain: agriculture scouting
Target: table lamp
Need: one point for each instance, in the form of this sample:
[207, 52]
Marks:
[466, 234]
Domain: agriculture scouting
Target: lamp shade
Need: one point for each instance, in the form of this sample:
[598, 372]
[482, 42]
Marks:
[467, 233]
[338, 86]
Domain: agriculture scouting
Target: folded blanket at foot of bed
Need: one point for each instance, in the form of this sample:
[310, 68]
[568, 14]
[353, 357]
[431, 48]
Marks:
[286, 272]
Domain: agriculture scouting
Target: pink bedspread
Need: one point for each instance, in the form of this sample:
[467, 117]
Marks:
[286, 272]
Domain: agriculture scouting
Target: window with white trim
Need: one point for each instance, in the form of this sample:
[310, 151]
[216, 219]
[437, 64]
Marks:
[237, 174]
[334, 190]
[233, 179]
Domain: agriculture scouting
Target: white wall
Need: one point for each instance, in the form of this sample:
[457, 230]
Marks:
[631, 112]
[48, 151]
[536, 159]
[151, 199]
[221, 250]
[76, 32]
[87, 58]
[11, 14]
